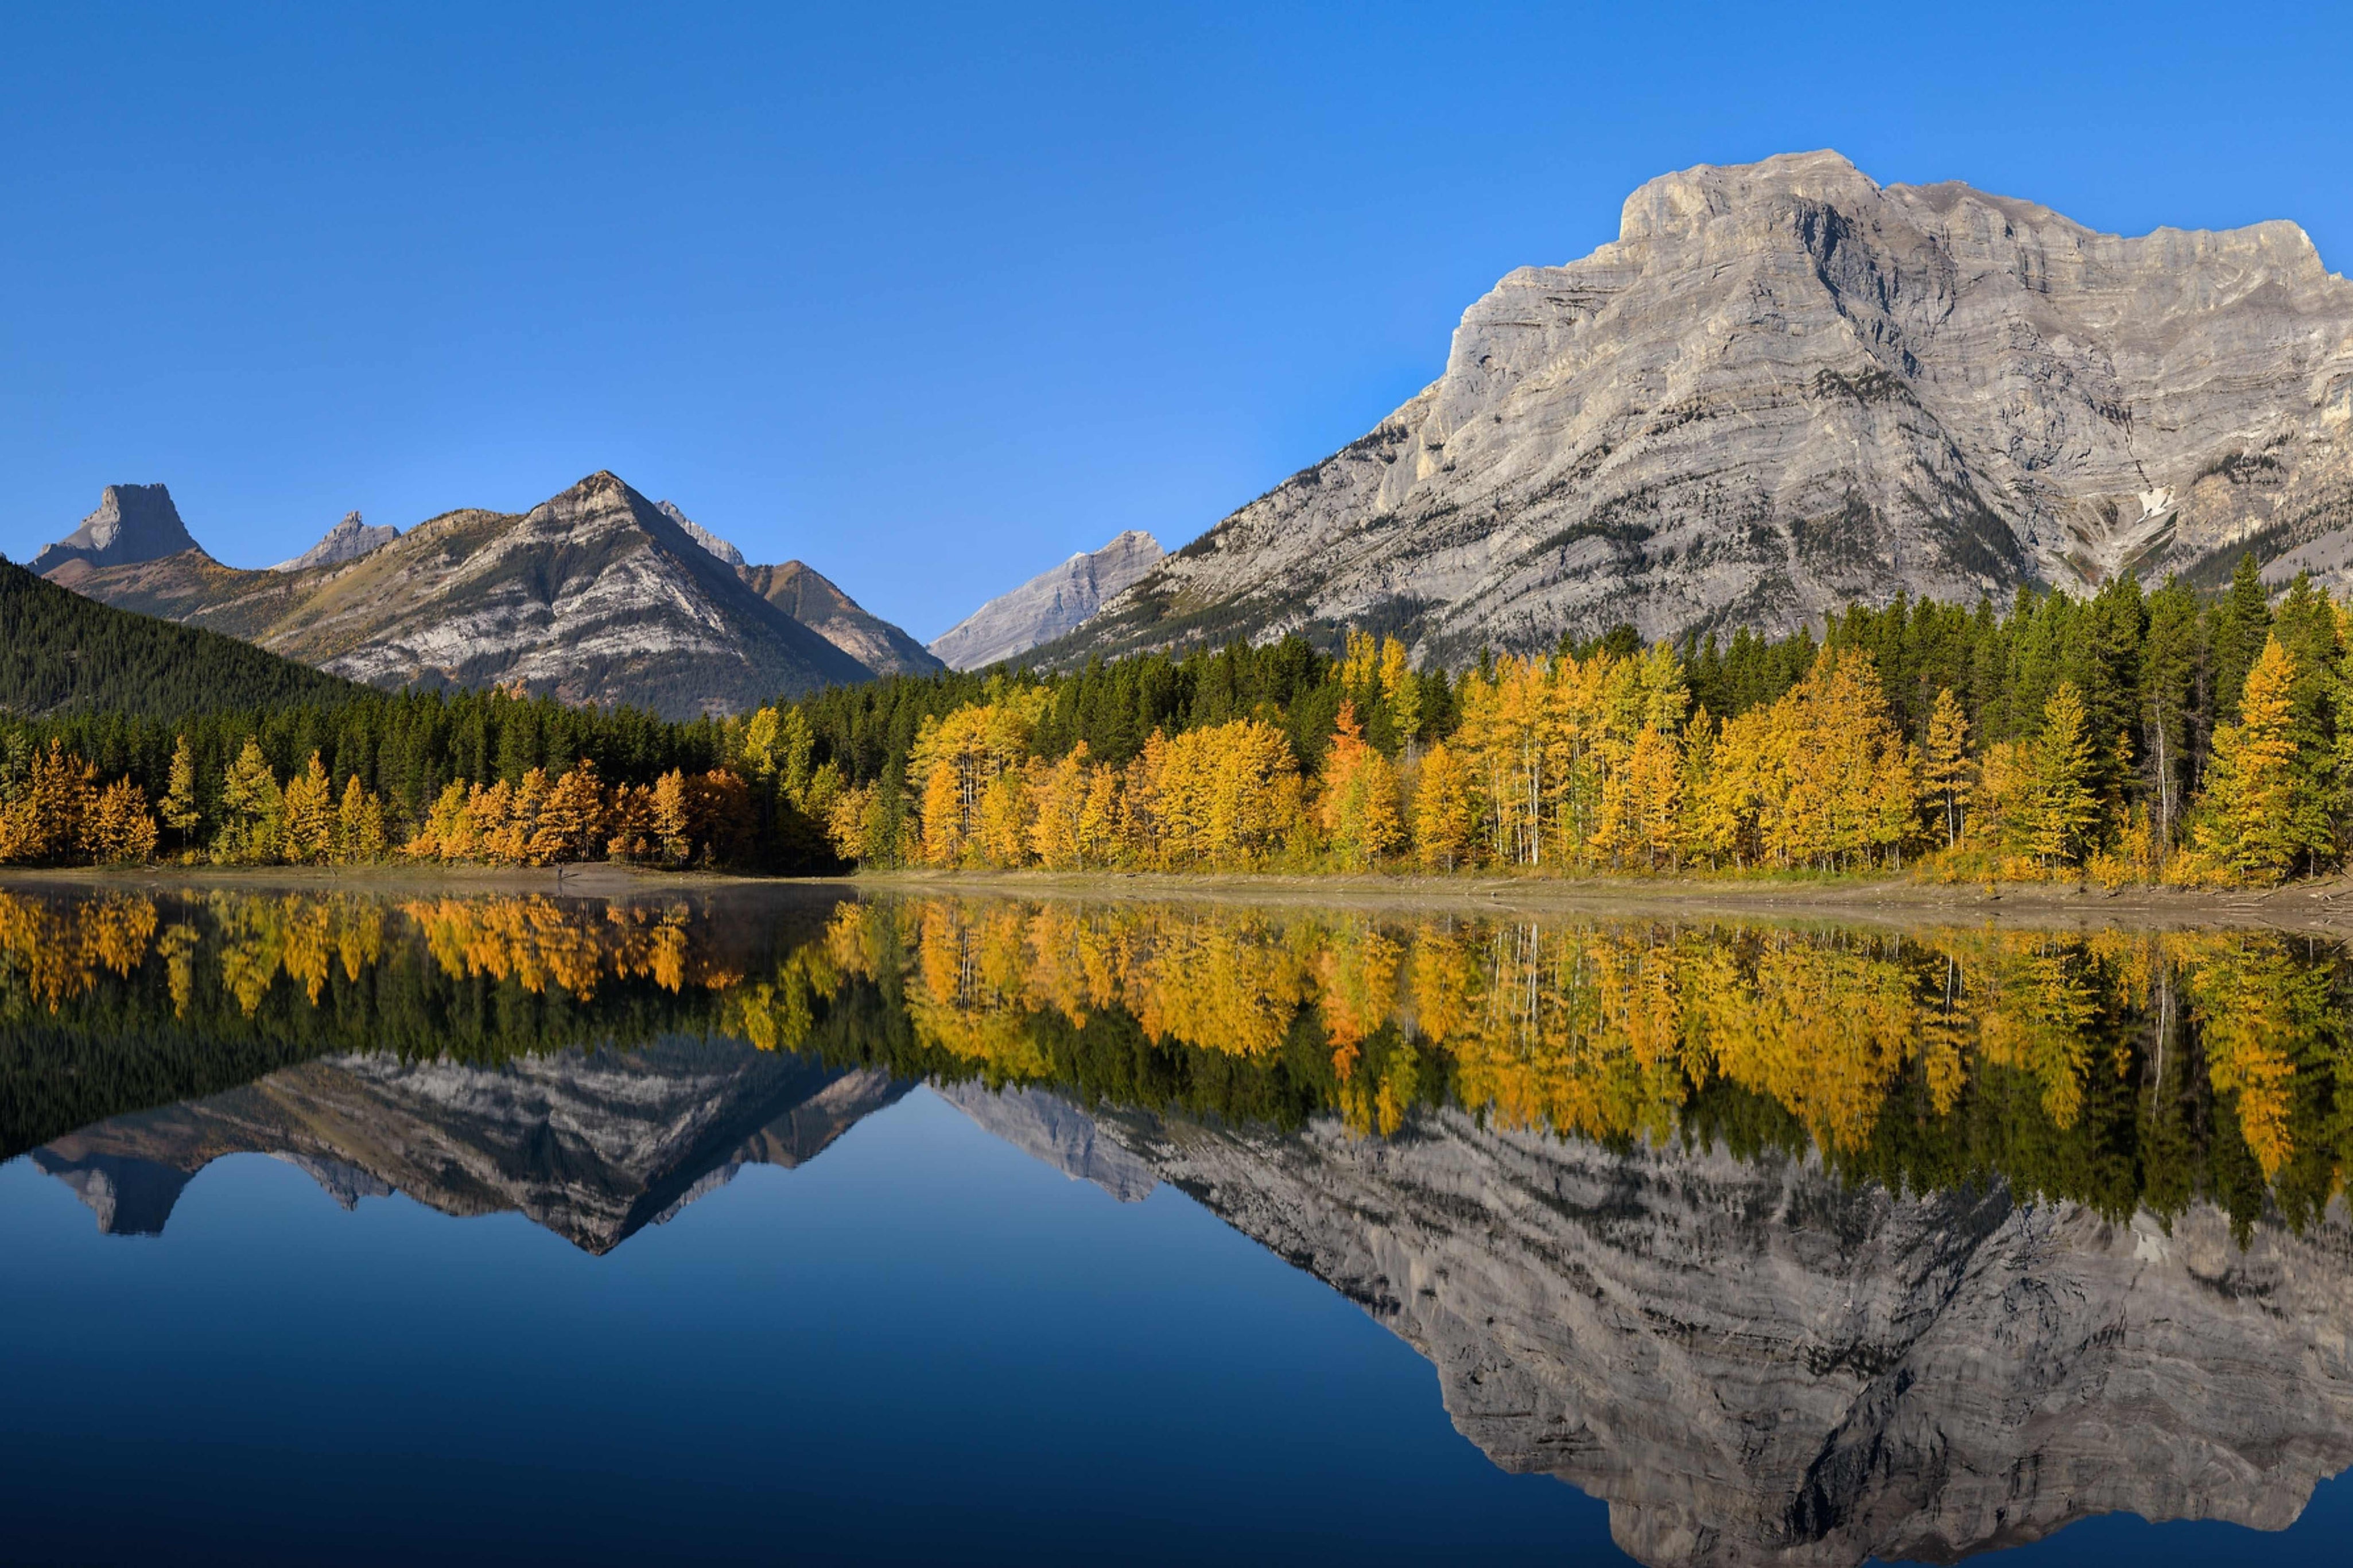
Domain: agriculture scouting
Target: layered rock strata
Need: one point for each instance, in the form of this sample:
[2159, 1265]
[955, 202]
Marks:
[1785, 387]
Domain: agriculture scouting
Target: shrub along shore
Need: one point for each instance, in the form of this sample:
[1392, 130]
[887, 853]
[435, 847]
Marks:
[2125, 738]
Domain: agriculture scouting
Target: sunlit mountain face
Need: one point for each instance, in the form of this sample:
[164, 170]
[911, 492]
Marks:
[1791, 1242]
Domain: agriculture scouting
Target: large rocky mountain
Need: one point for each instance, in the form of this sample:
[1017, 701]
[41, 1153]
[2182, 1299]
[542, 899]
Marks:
[593, 596]
[1048, 605]
[1759, 1362]
[132, 522]
[1785, 387]
[593, 1145]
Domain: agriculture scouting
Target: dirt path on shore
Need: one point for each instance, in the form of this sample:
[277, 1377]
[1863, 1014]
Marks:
[2322, 907]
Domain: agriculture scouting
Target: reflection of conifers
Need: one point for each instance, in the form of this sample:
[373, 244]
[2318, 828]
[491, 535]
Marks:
[1934, 1058]
[2124, 1070]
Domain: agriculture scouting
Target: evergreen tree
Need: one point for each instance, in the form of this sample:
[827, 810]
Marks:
[2238, 625]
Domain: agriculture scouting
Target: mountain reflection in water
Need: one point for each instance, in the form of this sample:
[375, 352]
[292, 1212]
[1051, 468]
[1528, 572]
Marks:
[1801, 1244]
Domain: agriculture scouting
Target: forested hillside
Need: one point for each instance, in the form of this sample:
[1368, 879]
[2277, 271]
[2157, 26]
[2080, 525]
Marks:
[61, 653]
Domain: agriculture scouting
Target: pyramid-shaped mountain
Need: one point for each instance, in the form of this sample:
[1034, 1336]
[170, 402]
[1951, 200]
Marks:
[593, 596]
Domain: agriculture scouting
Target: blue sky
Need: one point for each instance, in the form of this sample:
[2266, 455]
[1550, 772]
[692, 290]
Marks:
[931, 297]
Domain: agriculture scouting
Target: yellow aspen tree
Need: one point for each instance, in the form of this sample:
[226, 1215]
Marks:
[251, 807]
[1654, 792]
[671, 819]
[1445, 813]
[1103, 820]
[845, 824]
[309, 832]
[179, 807]
[360, 835]
[1944, 768]
[119, 831]
[1358, 808]
[1004, 819]
[572, 823]
[2064, 811]
[2254, 820]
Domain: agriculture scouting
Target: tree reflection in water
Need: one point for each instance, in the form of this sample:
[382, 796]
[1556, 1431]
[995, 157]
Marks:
[2124, 1069]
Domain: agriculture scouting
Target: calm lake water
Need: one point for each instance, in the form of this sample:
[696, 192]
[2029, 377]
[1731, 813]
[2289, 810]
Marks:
[779, 1225]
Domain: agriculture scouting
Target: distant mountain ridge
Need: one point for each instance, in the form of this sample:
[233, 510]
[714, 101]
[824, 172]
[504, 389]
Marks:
[347, 541]
[595, 596]
[1048, 605]
[1785, 387]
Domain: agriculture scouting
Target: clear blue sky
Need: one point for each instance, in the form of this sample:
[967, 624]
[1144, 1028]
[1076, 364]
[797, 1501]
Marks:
[931, 298]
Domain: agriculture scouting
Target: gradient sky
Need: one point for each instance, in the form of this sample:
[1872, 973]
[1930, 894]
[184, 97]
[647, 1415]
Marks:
[931, 298]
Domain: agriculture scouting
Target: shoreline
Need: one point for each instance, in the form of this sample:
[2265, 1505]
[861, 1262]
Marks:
[2321, 907]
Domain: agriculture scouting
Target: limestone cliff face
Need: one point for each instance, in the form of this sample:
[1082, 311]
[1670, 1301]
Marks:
[347, 541]
[1785, 387]
[699, 534]
[1048, 605]
[593, 596]
[1753, 1363]
[132, 522]
[593, 1146]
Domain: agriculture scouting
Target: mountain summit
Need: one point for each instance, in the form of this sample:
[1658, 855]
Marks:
[347, 541]
[1048, 604]
[1785, 387]
[132, 522]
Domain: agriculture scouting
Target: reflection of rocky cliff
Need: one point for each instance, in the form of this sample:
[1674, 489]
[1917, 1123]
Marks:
[1754, 1364]
[591, 1145]
[1053, 1131]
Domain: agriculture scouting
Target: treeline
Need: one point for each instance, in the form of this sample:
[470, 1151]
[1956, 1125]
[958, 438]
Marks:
[2130, 735]
[485, 777]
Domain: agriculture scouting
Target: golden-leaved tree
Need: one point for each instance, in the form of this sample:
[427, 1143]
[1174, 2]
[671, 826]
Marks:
[2260, 814]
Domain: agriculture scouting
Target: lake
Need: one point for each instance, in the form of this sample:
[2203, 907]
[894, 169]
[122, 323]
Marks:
[791, 1223]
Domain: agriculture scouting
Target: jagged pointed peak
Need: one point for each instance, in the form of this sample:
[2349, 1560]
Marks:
[347, 541]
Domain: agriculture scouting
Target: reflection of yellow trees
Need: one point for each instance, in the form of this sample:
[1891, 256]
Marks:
[537, 943]
[1607, 1029]
[55, 953]
[303, 936]
[2252, 1000]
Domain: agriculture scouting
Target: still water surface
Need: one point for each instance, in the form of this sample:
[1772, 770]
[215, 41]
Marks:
[774, 1224]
